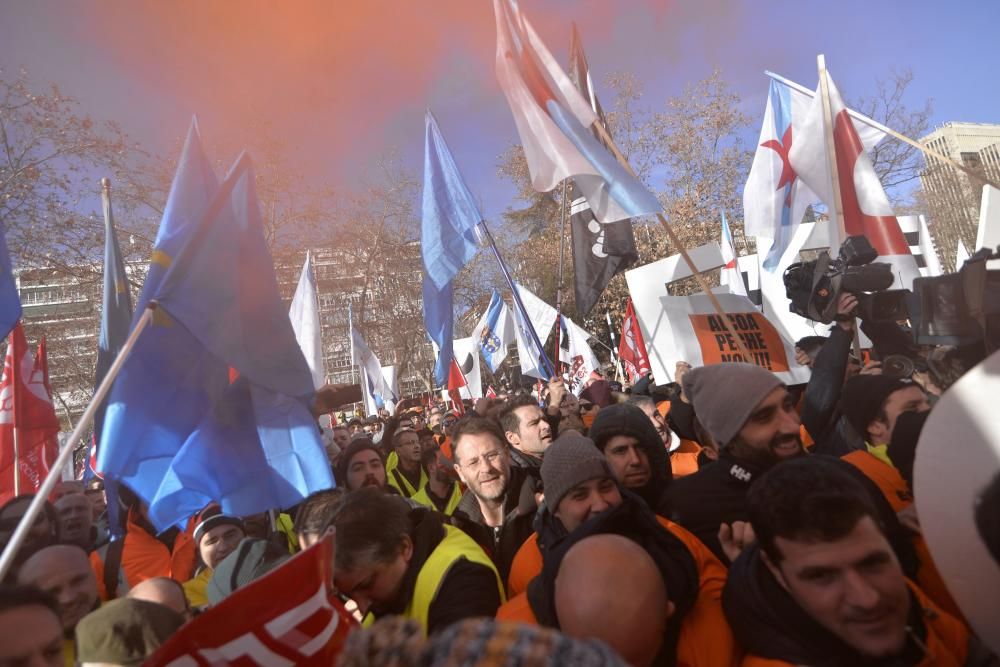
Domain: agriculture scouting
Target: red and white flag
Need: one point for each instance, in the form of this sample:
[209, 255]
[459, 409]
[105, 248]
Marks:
[632, 349]
[490, 392]
[456, 380]
[864, 203]
[26, 405]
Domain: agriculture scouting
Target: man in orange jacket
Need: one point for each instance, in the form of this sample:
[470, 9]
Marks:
[824, 586]
[143, 554]
[583, 499]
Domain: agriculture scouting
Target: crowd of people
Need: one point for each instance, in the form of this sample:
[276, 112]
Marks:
[723, 519]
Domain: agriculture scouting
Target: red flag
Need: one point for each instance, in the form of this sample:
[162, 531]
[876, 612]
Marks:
[26, 405]
[290, 616]
[490, 392]
[455, 382]
[632, 350]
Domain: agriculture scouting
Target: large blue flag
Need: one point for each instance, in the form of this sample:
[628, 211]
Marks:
[447, 240]
[116, 307]
[176, 431]
[10, 302]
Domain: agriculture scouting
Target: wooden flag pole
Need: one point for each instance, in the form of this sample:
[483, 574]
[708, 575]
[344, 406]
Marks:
[892, 133]
[695, 271]
[55, 472]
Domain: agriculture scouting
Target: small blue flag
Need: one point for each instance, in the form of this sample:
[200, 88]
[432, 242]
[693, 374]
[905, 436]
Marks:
[447, 240]
[116, 307]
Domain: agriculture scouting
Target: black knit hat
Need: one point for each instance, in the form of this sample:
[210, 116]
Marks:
[212, 517]
[571, 459]
[863, 397]
[626, 419]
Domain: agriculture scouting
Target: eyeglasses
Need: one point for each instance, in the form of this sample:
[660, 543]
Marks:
[489, 458]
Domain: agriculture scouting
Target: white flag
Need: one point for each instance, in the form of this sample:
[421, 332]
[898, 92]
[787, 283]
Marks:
[961, 255]
[576, 353]
[304, 315]
[731, 275]
[467, 358]
[369, 364]
[542, 316]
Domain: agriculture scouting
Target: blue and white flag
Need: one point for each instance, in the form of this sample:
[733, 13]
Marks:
[10, 301]
[542, 316]
[495, 332]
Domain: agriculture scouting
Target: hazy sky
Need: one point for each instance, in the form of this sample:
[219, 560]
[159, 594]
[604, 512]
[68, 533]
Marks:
[346, 81]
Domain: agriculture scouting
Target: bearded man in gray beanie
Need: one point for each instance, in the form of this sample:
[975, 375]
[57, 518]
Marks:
[750, 414]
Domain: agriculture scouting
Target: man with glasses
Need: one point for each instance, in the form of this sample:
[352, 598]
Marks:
[499, 506]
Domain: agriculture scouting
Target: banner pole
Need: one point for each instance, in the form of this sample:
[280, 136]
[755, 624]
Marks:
[17, 463]
[695, 271]
[55, 472]
[559, 283]
[517, 298]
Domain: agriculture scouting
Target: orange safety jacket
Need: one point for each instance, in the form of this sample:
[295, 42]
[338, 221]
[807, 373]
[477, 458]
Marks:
[144, 557]
[705, 638]
[897, 492]
[947, 639]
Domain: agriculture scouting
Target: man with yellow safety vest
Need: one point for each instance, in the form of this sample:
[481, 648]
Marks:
[394, 560]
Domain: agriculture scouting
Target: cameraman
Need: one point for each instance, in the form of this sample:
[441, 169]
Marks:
[831, 368]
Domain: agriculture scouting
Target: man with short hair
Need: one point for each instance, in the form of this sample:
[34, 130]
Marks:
[76, 520]
[442, 492]
[648, 406]
[30, 632]
[499, 505]
[823, 584]
[634, 450]
[341, 436]
[404, 471]
[527, 430]
[314, 515]
[392, 560]
[63, 572]
[361, 465]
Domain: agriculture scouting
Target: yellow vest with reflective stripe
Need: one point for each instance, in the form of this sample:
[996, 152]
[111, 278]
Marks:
[455, 546]
[399, 482]
[424, 499]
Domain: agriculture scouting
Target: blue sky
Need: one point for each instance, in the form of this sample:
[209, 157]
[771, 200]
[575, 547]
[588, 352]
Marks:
[343, 83]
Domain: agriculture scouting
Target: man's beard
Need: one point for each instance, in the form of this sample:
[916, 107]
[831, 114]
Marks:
[764, 457]
[370, 481]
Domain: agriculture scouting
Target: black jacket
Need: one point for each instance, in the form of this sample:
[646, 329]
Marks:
[716, 494]
[632, 519]
[502, 542]
[468, 590]
[821, 416]
[770, 624]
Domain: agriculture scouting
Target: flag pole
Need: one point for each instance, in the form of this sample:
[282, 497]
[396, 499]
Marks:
[831, 156]
[55, 472]
[517, 297]
[559, 284]
[611, 333]
[695, 271]
[871, 122]
[17, 469]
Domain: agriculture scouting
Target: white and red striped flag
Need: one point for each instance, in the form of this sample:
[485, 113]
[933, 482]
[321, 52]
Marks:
[865, 206]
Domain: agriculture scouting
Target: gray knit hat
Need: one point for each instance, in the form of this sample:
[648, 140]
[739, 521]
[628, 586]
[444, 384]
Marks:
[570, 460]
[724, 395]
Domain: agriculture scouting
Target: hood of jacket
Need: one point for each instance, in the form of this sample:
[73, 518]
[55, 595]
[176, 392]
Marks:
[625, 419]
